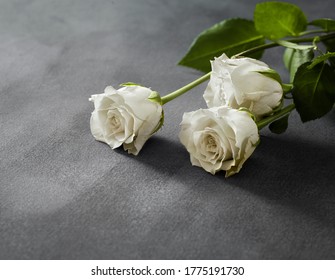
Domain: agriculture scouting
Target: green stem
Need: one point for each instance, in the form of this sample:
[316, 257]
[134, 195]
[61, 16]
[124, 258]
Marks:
[283, 112]
[308, 32]
[184, 89]
[311, 39]
[256, 49]
[273, 44]
[167, 98]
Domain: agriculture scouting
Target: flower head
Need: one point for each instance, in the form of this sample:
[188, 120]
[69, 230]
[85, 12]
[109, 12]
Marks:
[239, 82]
[219, 138]
[127, 116]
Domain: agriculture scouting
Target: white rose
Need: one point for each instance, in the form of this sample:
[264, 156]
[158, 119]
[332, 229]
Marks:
[125, 117]
[237, 83]
[219, 138]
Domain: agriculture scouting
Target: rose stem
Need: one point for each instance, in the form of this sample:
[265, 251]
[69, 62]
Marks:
[184, 89]
[283, 112]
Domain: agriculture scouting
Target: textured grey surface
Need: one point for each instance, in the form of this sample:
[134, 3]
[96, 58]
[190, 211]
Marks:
[65, 196]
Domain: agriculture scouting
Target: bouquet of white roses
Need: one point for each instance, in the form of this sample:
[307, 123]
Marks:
[243, 95]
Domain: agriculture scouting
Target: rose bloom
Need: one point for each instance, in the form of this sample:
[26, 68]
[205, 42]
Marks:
[237, 83]
[219, 138]
[125, 117]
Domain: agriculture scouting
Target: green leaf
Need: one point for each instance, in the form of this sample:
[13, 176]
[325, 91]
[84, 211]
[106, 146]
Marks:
[277, 20]
[326, 23]
[321, 58]
[293, 58]
[314, 90]
[230, 36]
[279, 126]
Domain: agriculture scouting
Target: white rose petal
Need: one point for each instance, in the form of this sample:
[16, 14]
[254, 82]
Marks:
[219, 138]
[237, 83]
[125, 117]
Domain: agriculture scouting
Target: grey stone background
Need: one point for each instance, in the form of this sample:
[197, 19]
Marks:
[64, 195]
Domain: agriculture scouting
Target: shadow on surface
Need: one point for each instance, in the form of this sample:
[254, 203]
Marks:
[291, 173]
[161, 154]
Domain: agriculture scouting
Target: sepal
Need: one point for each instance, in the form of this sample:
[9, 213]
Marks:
[155, 97]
